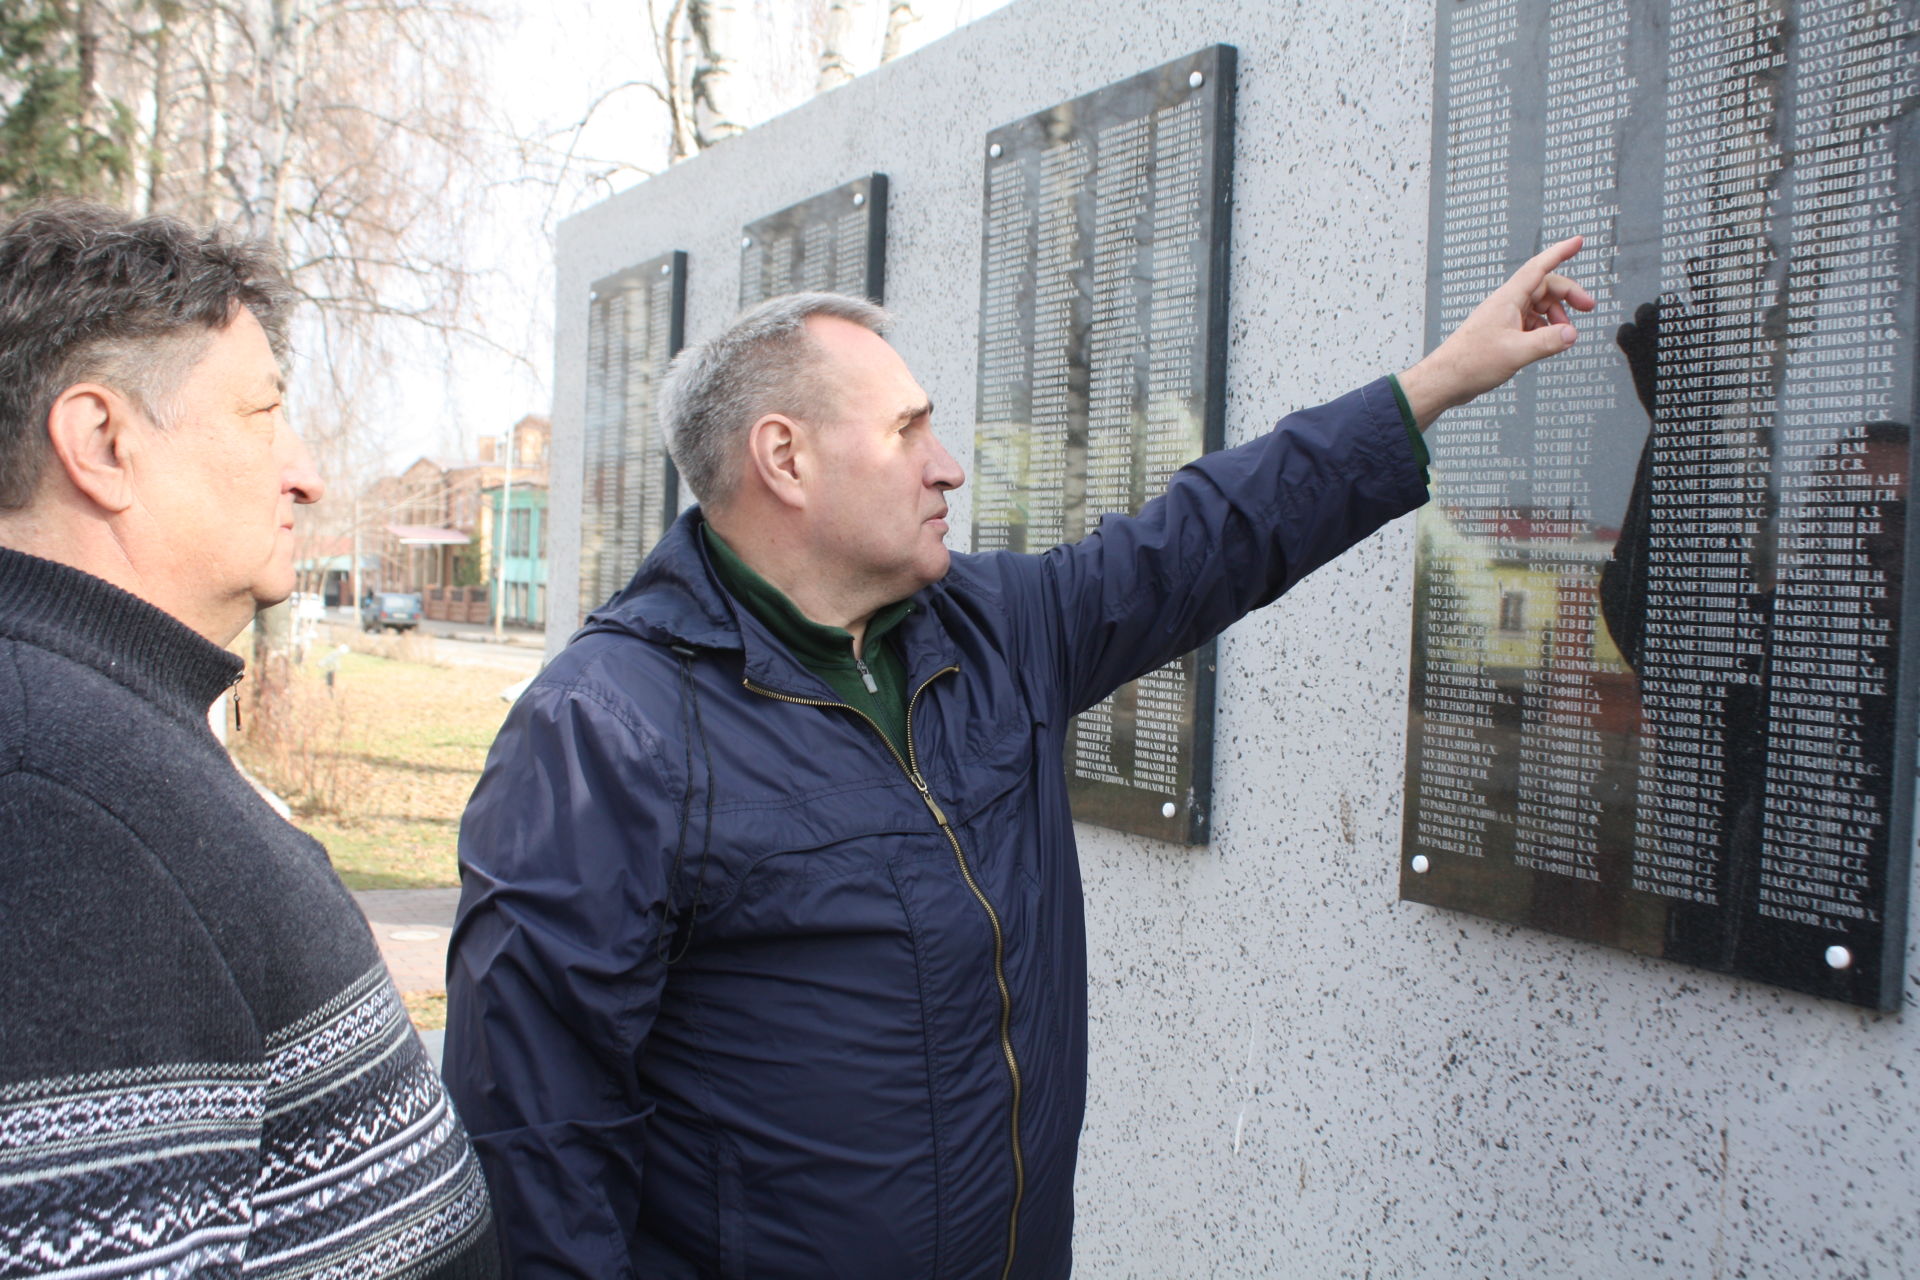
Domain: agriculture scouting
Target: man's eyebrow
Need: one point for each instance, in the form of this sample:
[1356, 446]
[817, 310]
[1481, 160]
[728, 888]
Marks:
[916, 411]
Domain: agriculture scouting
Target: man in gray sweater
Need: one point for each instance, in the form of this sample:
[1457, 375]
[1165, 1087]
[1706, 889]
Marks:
[204, 1067]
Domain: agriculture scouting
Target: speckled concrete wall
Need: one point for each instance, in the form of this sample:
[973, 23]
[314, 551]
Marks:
[1293, 1073]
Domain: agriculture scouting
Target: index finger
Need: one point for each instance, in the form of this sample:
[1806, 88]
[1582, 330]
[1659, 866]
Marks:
[1558, 288]
[1535, 270]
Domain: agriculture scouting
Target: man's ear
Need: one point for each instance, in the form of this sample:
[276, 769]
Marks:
[89, 427]
[776, 445]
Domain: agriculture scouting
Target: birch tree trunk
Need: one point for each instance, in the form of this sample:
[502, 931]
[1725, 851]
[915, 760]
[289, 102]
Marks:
[900, 16]
[213, 150]
[280, 45]
[716, 28]
[673, 45]
[836, 39]
[152, 165]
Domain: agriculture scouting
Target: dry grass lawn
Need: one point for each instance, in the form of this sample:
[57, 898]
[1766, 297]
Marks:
[379, 767]
[426, 1009]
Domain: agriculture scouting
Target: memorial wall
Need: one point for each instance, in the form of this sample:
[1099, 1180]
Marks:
[1659, 697]
[630, 490]
[835, 242]
[1103, 303]
[1295, 1070]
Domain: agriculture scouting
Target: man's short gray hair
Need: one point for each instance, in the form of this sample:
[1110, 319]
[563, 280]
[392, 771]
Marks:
[765, 362]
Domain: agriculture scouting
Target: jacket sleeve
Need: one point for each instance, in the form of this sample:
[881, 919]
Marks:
[554, 977]
[1234, 529]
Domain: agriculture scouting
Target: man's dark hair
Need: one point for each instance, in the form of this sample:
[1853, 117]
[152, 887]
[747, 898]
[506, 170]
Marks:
[92, 294]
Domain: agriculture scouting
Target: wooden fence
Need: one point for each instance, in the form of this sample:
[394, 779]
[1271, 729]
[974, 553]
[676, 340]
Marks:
[458, 604]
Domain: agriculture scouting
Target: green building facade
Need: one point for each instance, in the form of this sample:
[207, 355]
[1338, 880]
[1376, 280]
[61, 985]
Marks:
[520, 548]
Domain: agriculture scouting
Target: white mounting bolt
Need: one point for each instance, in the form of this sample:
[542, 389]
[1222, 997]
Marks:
[1195, 80]
[1839, 958]
[859, 198]
[1420, 864]
[746, 242]
[994, 151]
[1167, 810]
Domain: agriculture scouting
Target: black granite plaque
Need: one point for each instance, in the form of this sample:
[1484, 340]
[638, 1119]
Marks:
[835, 242]
[1661, 693]
[636, 322]
[1103, 292]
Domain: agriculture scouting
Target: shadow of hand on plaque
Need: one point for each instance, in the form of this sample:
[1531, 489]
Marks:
[1706, 718]
[1700, 385]
[1623, 580]
[1703, 707]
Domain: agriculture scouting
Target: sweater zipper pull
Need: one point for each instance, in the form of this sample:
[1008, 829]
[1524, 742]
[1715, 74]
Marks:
[866, 676]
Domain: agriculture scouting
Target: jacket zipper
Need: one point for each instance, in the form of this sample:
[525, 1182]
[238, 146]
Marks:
[911, 767]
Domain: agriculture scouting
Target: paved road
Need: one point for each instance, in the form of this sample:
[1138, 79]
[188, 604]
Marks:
[411, 927]
[479, 653]
[461, 645]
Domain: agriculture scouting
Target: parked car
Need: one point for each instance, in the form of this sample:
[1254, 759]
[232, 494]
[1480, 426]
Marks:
[395, 610]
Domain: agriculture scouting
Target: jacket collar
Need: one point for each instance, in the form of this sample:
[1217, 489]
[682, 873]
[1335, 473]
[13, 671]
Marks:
[676, 598]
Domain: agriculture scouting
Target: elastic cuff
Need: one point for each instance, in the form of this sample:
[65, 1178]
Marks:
[1419, 442]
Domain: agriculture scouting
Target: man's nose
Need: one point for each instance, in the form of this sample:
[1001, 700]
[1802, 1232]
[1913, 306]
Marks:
[302, 478]
[942, 471]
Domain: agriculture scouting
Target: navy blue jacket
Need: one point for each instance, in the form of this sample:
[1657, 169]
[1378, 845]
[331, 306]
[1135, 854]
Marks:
[867, 1060]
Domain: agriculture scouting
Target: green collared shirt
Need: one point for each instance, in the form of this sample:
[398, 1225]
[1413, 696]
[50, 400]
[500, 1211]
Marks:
[827, 651]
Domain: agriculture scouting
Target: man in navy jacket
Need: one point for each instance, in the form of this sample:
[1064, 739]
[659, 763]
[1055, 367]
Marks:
[771, 959]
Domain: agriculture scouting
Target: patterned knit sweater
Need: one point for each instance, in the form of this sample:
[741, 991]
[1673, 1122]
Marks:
[204, 1067]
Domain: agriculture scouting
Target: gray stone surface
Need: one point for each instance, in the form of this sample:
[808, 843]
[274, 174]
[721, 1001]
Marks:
[411, 927]
[436, 1046]
[1293, 1073]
